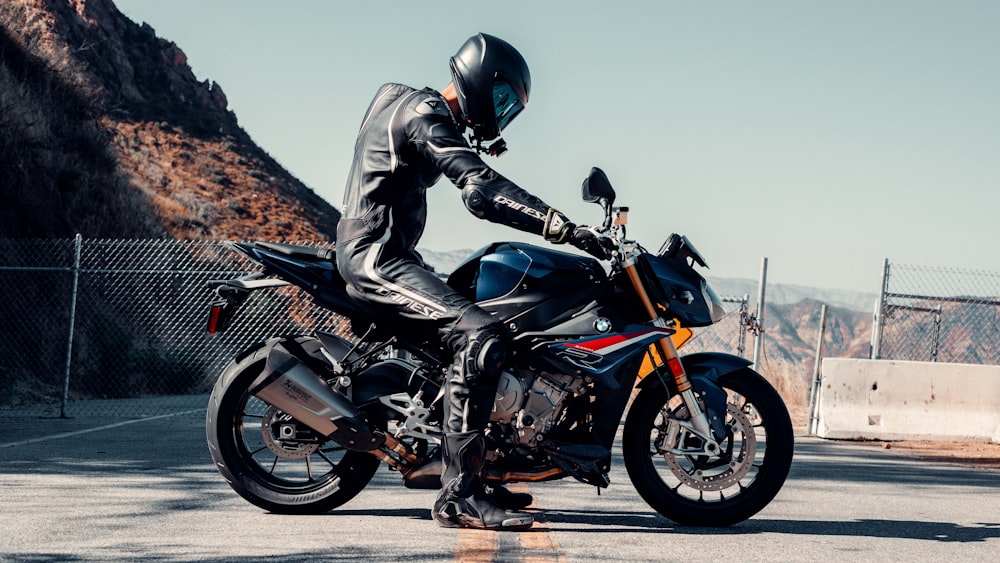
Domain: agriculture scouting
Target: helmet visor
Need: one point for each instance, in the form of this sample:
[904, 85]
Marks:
[506, 104]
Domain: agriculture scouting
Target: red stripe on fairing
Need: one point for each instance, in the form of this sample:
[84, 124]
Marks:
[600, 344]
[595, 345]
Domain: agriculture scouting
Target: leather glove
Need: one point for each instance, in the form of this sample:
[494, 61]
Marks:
[558, 229]
[590, 241]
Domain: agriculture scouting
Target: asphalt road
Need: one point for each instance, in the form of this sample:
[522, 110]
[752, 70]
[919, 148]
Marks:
[148, 491]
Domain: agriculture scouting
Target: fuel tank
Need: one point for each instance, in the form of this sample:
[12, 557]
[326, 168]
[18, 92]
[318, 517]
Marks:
[530, 286]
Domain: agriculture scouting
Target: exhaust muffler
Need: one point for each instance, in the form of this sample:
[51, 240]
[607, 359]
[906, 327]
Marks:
[289, 385]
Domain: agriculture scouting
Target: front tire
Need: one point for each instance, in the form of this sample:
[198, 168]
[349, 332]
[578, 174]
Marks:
[699, 490]
[268, 458]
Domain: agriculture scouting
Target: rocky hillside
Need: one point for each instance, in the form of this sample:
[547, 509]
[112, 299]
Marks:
[791, 332]
[108, 133]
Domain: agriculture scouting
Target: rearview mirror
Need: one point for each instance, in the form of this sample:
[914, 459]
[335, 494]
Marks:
[597, 187]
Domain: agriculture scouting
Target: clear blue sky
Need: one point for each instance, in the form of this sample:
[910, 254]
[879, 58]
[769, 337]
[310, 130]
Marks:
[824, 136]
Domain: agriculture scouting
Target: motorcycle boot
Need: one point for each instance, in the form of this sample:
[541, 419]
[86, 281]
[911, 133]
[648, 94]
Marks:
[462, 502]
[470, 391]
[506, 498]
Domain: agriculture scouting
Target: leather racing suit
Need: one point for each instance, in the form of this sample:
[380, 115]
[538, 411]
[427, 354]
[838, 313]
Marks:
[407, 141]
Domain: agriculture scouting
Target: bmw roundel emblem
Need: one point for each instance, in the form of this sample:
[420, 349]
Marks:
[602, 325]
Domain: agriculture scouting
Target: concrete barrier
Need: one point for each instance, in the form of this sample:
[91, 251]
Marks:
[893, 400]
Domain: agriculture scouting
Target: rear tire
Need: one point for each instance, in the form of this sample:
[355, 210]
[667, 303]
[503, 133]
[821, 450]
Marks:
[698, 490]
[303, 475]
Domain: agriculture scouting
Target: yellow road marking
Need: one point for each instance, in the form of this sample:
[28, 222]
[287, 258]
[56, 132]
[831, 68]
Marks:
[539, 540]
[541, 544]
[476, 545]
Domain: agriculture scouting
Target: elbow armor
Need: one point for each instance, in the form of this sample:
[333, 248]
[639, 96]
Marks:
[475, 201]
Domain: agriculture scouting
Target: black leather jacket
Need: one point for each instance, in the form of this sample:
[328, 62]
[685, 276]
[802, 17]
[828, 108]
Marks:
[408, 139]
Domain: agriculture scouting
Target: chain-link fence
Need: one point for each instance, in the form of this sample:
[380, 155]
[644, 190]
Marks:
[117, 327]
[937, 315]
[729, 334]
[85, 322]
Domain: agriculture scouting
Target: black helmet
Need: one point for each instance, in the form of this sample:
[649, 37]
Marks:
[492, 82]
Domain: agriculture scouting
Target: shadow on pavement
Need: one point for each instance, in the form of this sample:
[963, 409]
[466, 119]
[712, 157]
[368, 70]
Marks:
[614, 522]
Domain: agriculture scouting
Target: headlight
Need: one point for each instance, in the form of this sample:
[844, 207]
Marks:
[716, 309]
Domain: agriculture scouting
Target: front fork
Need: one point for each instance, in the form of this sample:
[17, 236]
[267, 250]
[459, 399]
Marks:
[668, 356]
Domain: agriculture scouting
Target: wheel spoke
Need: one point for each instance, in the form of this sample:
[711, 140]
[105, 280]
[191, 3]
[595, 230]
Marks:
[328, 460]
[266, 455]
[708, 489]
[698, 478]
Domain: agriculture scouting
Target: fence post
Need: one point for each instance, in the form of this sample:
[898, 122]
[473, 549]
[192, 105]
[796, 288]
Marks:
[879, 321]
[741, 341]
[937, 333]
[759, 333]
[813, 393]
[744, 308]
[72, 324]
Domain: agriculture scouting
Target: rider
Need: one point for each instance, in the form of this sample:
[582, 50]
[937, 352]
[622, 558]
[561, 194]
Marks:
[408, 139]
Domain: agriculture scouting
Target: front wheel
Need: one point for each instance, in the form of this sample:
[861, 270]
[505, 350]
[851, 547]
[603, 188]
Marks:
[270, 459]
[718, 490]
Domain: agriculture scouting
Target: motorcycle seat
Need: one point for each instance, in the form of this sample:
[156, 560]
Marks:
[300, 252]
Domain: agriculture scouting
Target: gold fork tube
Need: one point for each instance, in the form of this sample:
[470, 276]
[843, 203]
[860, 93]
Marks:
[666, 348]
[669, 356]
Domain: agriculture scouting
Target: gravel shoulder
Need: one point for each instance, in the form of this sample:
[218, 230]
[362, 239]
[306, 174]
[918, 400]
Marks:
[981, 455]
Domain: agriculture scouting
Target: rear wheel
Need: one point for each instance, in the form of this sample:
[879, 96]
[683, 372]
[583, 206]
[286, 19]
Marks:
[702, 490]
[270, 459]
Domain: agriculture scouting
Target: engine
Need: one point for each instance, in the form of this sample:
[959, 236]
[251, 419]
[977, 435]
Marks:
[530, 403]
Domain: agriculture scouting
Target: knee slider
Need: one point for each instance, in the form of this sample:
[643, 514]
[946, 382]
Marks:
[492, 356]
[486, 354]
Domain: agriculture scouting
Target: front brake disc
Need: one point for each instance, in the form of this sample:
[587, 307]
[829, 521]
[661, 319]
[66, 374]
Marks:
[742, 447]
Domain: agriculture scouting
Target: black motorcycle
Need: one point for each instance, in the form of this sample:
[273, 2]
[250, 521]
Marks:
[300, 424]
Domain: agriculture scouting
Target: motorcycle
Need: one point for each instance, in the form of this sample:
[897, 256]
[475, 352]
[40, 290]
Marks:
[300, 424]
